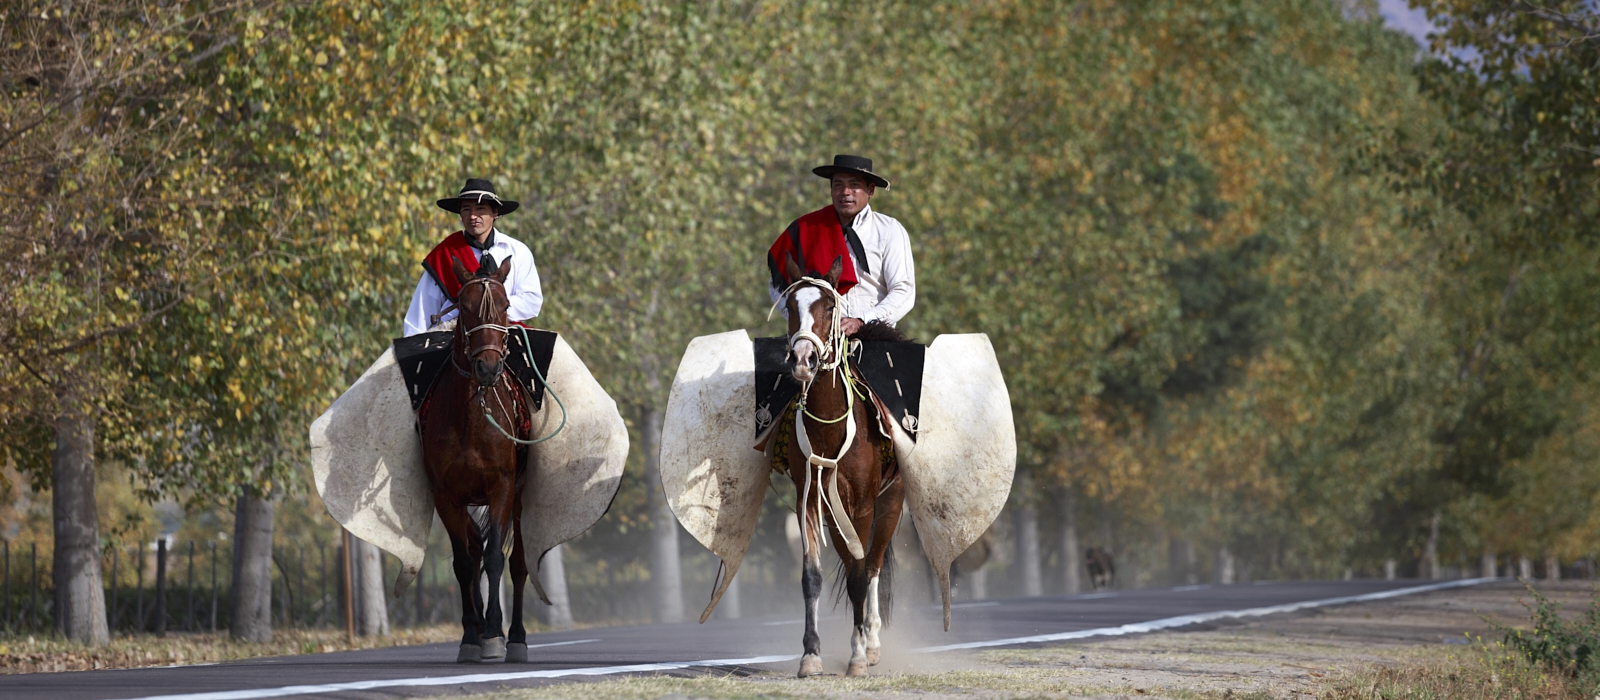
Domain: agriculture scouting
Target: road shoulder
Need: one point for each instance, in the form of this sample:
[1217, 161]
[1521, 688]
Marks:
[1302, 654]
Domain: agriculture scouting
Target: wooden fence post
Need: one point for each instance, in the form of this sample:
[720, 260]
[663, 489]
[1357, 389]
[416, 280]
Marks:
[213, 587]
[305, 592]
[6, 621]
[349, 593]
[188, 585]
[33, 584]
[161, 587]
[322, 573]
[138, 618]
[116, 593]
[417, 621]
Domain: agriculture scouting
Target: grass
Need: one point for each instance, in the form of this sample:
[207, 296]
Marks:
[39, 654]
[1492, 671]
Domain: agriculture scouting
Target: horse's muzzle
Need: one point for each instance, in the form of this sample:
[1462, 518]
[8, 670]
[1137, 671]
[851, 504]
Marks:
[805, 361]
[487, 373]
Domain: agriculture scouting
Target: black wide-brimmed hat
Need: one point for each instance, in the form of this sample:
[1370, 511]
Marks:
[852, 164]
[478, 190]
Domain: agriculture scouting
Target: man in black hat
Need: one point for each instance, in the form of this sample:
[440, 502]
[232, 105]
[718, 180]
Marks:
[477, 245]
[879, 282]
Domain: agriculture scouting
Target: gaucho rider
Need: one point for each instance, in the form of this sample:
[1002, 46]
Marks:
[477, 245]
[878, 282]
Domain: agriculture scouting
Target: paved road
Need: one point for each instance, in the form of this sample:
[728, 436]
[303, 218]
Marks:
[738, 646]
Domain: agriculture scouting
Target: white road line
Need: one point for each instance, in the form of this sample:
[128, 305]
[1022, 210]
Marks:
[984, 604]
[1199, 587]
[291, 690]
[1091, 596]
[1182, 620]
[561, 644]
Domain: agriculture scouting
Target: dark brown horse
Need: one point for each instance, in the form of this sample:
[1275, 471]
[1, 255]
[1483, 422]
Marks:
[1102, 571]
[841, 468]
[471, 463]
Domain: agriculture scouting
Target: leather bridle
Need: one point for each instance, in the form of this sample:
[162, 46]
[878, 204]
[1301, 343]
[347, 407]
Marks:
[498, 344]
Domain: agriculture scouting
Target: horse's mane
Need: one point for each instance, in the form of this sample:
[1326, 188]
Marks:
[879, 331]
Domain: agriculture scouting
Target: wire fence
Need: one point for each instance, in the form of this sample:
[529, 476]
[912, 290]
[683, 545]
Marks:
[159, 587]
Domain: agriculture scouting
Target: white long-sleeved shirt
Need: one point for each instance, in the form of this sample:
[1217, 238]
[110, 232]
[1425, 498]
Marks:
[522, 286]
[889, 290]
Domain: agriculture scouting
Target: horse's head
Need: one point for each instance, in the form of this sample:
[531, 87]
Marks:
[813, 319]
[481, 328]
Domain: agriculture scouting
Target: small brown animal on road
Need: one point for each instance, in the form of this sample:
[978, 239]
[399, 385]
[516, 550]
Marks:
[1102, 572]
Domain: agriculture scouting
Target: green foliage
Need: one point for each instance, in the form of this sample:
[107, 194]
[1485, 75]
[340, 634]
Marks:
[1258, 277]
[1565, 646]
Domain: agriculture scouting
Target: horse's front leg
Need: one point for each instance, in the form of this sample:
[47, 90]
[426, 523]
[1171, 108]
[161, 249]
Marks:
[517, 641]
[459, 525]
[811, 588]
[494, 562]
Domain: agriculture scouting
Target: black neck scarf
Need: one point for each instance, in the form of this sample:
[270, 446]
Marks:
[857, 247]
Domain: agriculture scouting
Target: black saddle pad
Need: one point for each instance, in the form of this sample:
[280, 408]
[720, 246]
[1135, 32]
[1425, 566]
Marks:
[892, 370]
[426, 356]
[775, 384]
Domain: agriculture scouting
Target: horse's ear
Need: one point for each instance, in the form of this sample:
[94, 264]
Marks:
[832, 278]
[501, 273]
[461, 271]
[792, 268]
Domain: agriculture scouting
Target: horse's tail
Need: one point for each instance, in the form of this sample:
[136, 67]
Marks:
[885, 585]
[479, 515]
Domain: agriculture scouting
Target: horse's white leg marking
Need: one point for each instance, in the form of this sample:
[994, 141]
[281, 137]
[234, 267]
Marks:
[874, 623]
[858, 649]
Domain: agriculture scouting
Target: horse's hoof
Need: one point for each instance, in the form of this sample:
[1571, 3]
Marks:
[810, 665]
[470, 654]
[856, 669]
[516, 653]
[494, 648]
[874, 656]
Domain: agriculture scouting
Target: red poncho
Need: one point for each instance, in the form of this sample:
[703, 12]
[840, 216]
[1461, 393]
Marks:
[815, 240]
[438, 262]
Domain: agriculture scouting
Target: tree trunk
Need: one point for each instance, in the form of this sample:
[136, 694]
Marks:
[980, 583]
[80, 595]
[1389, 569]
[372, 608]
[1180, 562]
[1225, 574]
[553, 576]
[730, 607]
[1430, 552]
[251, 594]
[1488, 563]
[666, 575]
[1524, 568]
[1028, 545]
[1552, 568]
[1071, 553]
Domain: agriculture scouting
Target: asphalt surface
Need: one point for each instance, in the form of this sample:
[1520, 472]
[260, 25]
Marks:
[914, 641]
